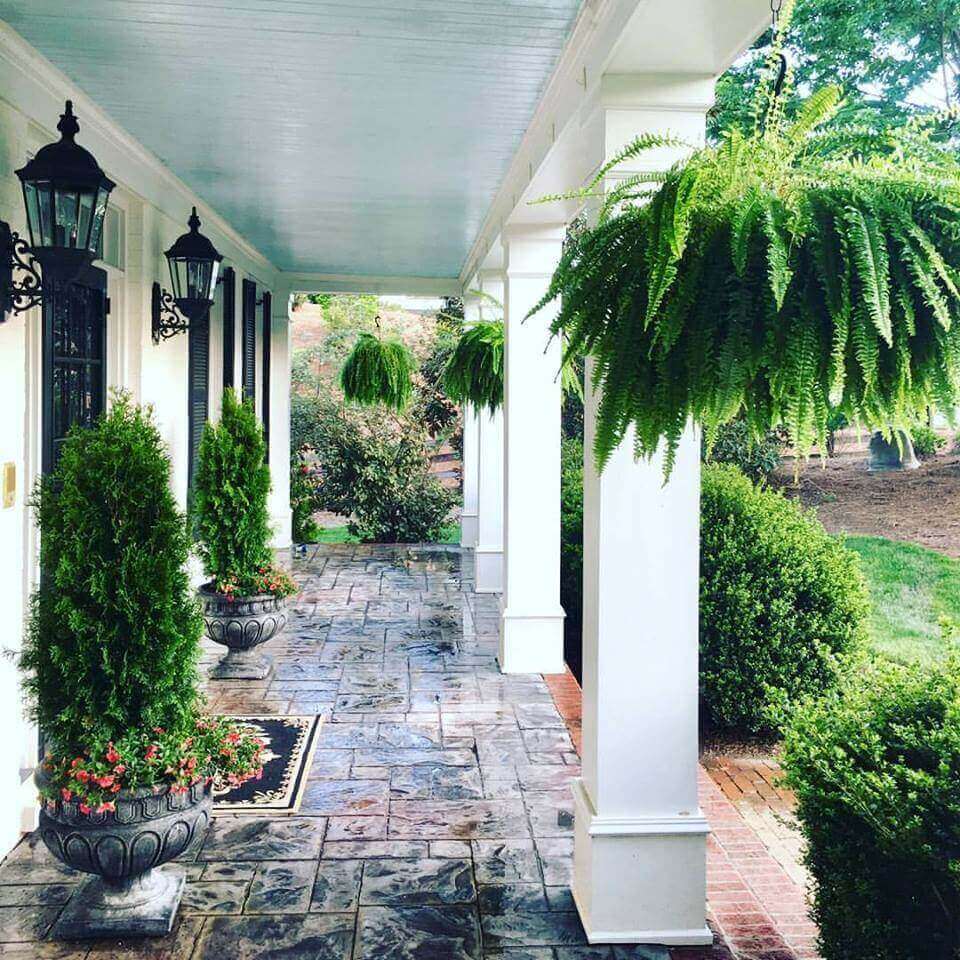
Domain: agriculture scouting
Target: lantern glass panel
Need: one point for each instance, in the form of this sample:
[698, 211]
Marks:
[214, 271]
[33, 211]
[45, 198]
[85, 219]
[66, 227]
[99, 211]
[177, 277]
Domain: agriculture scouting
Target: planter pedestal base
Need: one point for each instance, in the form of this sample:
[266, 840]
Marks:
[142, 907]
[242, 665]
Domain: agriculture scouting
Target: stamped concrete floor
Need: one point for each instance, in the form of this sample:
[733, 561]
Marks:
[437, 821]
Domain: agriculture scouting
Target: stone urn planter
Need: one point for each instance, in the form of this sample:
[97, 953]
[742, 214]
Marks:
[128, 895]
[242, 624]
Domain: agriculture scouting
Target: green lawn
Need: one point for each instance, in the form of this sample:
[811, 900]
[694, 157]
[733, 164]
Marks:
[911, 588]
[450, 534]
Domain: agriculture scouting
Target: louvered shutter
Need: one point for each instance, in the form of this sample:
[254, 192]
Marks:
[249, 339]
[229, 325]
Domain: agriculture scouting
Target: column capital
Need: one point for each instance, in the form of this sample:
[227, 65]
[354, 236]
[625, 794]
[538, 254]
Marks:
[532, 250]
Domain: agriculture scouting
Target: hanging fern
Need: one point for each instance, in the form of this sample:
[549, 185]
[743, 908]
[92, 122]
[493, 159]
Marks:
[782, 275]
[474, 372]
[378, 371]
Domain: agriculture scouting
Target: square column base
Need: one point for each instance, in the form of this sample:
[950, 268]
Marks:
[468, 530]
[532, 643]
[488, 567]
[640, 879]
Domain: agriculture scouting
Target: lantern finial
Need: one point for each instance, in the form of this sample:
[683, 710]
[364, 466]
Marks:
[68, 125]
[194, 222]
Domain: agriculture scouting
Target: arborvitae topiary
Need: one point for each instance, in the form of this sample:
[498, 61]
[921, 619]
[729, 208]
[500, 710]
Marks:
[113, 632]
[378, 371]
[229, 509]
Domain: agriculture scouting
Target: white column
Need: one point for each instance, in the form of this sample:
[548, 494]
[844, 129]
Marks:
[640, 837]
[470, 463]
[280, 354]
[531, 628]
[489, 551]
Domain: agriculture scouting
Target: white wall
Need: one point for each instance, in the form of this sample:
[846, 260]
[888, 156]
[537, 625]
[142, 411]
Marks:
[155, 206]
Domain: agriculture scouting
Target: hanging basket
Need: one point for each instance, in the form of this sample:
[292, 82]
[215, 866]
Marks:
[474, 372]
[378, 372]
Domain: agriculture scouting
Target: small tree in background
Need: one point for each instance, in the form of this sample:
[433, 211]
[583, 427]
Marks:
[229, 509]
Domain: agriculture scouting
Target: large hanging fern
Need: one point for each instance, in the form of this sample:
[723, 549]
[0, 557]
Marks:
[779, 275]
[378, 371]
[474, 372]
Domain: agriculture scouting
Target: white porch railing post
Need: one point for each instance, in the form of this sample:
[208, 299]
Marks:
[531, 627]
[470, 464]
[489, 550]
[640, 837]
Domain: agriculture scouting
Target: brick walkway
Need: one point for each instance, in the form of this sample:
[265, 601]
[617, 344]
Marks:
[437, 821]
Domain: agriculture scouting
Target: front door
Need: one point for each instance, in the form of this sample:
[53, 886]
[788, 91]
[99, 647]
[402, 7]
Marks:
[74, 357]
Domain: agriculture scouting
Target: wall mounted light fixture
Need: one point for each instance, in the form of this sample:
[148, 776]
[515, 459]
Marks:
[65, 194]
[194, 267]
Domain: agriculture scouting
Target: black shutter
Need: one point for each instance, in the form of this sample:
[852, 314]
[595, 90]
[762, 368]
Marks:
[198, 402]
[229, 324]
[265, 373]
[249, 339]
[74, 358]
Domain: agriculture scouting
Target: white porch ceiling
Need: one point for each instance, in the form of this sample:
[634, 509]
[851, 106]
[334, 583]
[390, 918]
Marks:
[361, 137]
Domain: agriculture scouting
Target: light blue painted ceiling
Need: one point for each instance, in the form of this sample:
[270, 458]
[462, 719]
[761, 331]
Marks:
[364, 137]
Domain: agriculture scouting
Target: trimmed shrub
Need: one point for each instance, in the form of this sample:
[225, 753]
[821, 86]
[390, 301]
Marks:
[927, 443]
[229, 507]
[112, 639]
[875, 765]
[756, 458]
[779, 599]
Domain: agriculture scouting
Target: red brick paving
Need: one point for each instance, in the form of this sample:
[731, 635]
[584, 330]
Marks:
[755, 908]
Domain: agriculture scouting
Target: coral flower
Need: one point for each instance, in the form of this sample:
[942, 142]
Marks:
[65, 793]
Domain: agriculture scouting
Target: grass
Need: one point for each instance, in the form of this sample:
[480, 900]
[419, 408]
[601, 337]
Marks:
[912, 588]
[449, 534]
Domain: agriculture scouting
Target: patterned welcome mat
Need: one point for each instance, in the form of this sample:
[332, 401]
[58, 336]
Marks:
[290, 742]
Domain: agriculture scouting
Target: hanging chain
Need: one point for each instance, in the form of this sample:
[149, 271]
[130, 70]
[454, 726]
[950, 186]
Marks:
[775, 6]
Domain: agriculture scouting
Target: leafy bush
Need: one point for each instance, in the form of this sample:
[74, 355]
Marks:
[875, 765]
[373, 469]
[229, 507]
[779, 599]
[433, 407]
[571, 540]
[378, 371]
[926, 442]
[304, 495]
[736, 444]
[113, 633]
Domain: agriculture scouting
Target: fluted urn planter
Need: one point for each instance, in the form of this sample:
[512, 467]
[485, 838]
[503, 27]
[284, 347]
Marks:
[129, 894]
[242, 624]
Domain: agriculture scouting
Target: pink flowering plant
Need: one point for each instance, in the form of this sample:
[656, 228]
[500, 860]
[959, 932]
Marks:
[210, 750]
[271, 579]
[113, 636]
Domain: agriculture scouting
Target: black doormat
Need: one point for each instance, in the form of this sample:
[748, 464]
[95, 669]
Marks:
[290, 742]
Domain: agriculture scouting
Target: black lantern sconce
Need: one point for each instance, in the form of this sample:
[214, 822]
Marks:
[194, 267]
[65, 194]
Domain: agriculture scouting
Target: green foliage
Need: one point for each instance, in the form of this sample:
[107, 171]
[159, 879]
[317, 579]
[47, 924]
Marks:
[378, 372]
[926, 442]
[892, 59]
[475, 370]
[229, 507]
[777, 276]
[875, 765]
[912, 590]
[735, 444]
[433, 407]
[370, 468]
[780, 599]
[113, 633]
[304, 496]
[571, 529]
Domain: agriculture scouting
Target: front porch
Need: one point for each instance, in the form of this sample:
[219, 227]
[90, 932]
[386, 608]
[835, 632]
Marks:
[438, 817]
